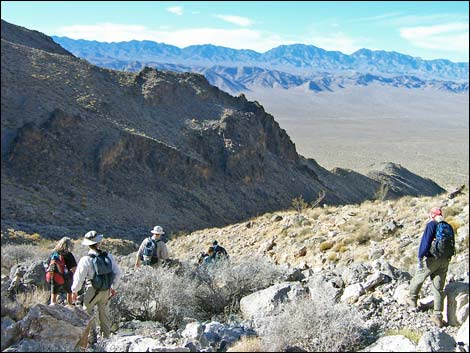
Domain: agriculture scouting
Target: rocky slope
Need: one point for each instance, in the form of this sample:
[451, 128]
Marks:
[360, 276]
[85, 147]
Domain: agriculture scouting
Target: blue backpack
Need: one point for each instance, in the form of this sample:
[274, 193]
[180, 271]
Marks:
[443, 245]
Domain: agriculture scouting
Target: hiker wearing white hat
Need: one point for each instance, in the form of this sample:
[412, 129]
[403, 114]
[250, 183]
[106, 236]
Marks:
[153, 249]
[101, 274]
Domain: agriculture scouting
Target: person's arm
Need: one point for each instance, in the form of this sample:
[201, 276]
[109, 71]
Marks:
[162, 251]
[80, 274]
[117, 272]
[426, 240]
[137, 260]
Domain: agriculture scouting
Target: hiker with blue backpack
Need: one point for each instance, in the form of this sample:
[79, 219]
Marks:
[153, 249]
[101, 274]
[61, 266]
[435, 252]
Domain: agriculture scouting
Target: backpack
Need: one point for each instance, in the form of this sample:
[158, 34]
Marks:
[443, 246]
[56, 269]
[104, 275]
[220, 252]
[149, 253]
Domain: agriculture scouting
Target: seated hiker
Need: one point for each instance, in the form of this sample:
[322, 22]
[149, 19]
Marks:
[153, 249]
[220, 252]
[101, 274]
[61, 266]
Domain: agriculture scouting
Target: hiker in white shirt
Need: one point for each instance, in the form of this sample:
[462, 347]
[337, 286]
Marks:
[86, 272]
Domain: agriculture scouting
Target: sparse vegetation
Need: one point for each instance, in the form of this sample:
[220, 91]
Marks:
[322, 327]
[412, 335]
[299, 204]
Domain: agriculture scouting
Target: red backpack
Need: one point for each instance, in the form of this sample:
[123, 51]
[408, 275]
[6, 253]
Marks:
[56, 268]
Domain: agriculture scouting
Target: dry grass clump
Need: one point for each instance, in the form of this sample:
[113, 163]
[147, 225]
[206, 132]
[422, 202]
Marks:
[326, 245]
[412, 335]
[248, 344]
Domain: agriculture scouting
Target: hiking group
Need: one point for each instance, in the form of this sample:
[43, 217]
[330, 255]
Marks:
[100, 273]
[97, 274]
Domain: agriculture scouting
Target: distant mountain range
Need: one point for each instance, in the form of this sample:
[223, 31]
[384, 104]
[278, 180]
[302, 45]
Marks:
[297, 59]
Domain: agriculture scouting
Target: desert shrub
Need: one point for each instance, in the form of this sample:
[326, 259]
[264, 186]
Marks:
[168, 295]
[149, 294]
[299, 204]
[18, 306]
[221, 285]
[451, 211]
[333, 256]
[16, 254]
[319, 325]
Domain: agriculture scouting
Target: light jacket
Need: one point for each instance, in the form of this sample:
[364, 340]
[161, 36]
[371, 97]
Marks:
[85, 271]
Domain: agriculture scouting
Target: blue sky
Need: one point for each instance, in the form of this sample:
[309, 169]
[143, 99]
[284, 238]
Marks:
[430, 30]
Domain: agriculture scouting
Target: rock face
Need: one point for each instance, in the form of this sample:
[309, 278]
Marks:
[85, 147]
[53, 328]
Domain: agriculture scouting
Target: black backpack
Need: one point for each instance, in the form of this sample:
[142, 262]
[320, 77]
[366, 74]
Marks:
[104, 275]
[149, 253]
[443, 245]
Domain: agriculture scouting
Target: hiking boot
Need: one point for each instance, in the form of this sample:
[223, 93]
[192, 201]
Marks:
[437, 319]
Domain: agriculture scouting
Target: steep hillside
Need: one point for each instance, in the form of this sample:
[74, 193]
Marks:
[337, 236]
[85, 147]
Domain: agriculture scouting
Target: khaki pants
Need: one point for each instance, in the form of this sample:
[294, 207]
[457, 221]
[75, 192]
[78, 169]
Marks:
[101, 302]
[436, 269]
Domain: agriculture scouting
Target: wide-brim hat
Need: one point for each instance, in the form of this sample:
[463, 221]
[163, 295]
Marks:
[157, 230]
[92, 238]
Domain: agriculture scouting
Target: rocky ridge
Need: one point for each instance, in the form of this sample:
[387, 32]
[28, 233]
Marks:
[85, 147]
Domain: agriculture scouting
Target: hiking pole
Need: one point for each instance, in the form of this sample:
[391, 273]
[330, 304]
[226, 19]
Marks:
[52, 268]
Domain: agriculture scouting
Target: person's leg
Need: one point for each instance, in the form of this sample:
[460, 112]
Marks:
[89, 302]
[103, 312]
[418, 280]
[68, 288]
[438, 278]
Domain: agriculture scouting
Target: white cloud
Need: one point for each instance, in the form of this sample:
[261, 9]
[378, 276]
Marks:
[240, 38]
[451, 37]
[336, 41]
[240, 21]
[177, 10]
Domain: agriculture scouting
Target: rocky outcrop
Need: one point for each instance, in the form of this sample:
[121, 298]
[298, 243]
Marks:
[51, 328]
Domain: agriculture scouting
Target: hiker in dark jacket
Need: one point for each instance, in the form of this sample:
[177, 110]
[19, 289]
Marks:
[64, 247]
[430, 266]
[219, 251]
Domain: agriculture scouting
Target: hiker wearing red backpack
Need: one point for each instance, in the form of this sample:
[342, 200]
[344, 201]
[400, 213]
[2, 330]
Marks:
[435, 252]
[60, 269]
[101, 274]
